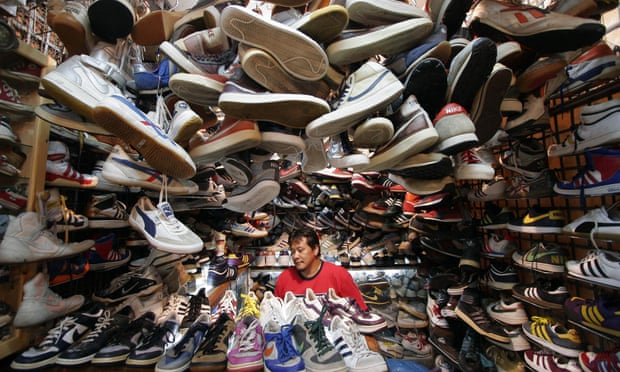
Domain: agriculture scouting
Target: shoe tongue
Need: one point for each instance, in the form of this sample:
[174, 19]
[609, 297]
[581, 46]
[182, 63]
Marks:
[166, 209]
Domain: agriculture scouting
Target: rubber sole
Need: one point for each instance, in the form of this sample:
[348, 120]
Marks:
[486, 107]
[196, 89]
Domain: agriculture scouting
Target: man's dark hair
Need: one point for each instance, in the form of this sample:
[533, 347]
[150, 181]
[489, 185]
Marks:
[312, 238]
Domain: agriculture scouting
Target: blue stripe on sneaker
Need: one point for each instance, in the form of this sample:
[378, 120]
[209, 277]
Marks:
[150, 171]
[370, 87]
[149, 225]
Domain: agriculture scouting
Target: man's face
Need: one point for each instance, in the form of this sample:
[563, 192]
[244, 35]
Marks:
[303, 255]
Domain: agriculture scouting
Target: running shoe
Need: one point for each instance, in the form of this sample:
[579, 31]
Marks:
[602, 314]
[542, 256]
[550, 334]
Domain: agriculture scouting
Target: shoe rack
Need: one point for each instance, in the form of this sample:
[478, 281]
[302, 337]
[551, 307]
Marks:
[33, 134]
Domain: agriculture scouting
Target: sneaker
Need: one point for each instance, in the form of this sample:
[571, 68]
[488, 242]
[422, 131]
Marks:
[198, 89]
[59, 172]
[351, 344]
[550, 334]
[543, 361]
[596, 65]
[161, 228]
[351, 107]
[153, 346]
[150, 81]
[592, 362]
[469, 355]
[499, 246]
[507, 311]
[132, 283]
[526, 157]
[243, 25]
[162, 261]
[424, 165]
[233, 136]
[470, 166]
[106, 254]
[598, 267]
[246, 350]
[220, 272]
[539, 220]
[107, 325]
[538, 29]
[541, 186]
[104, 185]
[263, 188]
[106, 212]
[198, 305]
[415, 133]
[468, 310]
[118, 348]
[314, 346]
[486, 110]
[27, 240]
[247, 230]
[185, 122]
[140, 132]
[542, 293]
[120, 169]
[544, 257]
[598, 177]
[40, 304]
[456, 130]
[500, 277]
[599, 223]
[597, 129]
[427, 77]
[280, 352]
[600, 314]
[212, 352]
[179, 356]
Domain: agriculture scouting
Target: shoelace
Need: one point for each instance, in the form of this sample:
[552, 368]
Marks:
[247, 340]
[469, 157]
[161, 333]
[228, 305]
[176, 304]
[284, 343]
[543, 320]
[317, 333]
[250, 306]
[103, 323]
[56, 333]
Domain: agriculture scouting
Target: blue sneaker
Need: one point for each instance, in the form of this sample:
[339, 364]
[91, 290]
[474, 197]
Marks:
[600, 175]
[179, 357]
[149, 81]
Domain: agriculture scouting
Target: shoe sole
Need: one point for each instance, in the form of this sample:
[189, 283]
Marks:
[424, 166]
[283, 144]
[428, 82]
[455, 144]
[155, 27]
[71, 32]
[68, 120]
[238, 170]
[262, 193]
[63, 182]
[290, 110]
[196, 89]
[474, 172]
[145, 292]
[486, 108]
[373, 132]
[369, 13]
[471, 75]
[268, 72]
[461, 315]
[535, 78]
[535, 301]
[128, 123]
[107, 224]
[179, 58]
[307, 61]
[325, 24]
[235, 142]
[410, 146]
[535, 229]
[389, 40]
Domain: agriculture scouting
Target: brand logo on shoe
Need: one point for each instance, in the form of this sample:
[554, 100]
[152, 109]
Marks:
[531, 220]
[521, 11]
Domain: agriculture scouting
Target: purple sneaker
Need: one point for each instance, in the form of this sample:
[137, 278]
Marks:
[246, 351]
[600, 314]
[366, 321]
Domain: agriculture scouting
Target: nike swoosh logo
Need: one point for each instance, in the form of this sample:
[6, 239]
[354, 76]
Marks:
[129, 289]
[528, 219]
[269, 350]
[371, 298]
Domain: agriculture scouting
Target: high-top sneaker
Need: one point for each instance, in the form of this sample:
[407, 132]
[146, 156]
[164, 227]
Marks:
[60, 172]
[41, 304]
[106, 212]
[185, 122]
[27, 240]
[59, 216]
[469, 310]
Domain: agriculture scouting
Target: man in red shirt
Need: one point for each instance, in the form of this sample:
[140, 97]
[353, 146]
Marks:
[312, 272]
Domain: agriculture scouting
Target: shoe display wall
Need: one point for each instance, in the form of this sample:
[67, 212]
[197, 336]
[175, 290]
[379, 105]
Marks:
[480, 239]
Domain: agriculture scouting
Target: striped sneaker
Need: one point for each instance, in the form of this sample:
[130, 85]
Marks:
[542, 293]
[600, 314]
[550, 334]
[598, 266]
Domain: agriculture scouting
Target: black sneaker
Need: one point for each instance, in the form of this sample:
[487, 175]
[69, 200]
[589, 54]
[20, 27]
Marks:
[154, 344]
[66, 332]
[469, 310]
[469, 355]
[428, 81]
[179, 356]
[539, 220]
[496, 217]
[542, 293]
[120, 346]
[470, 259]
[198, 304]
[219, 272]
[107, 326]
[132, 283]
[527, 157]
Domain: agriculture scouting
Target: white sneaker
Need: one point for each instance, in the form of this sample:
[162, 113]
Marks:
[105, 185]
[271, 309]
[106, 212]
[119, 168]
[470, 166]
[185, 122]
[26, 240]
[494, 190]
[161, 228]
[247, 230]
[59, 172]
[41, 304]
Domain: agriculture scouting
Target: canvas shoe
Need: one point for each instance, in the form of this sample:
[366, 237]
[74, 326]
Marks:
[469, 70]
[206, 51]
[544, 361]
[244, 99]
[542, 293]
[350, 343]
[544, 257]
[161, 228]
[132, 283]
[526, 157]
[212, 353]
[40, 304]
[179, 356]
[250, 28]
[80, 84]
[538, 29]
[138, 130]
[105, 211]
[369, 88]
[455, 128]
[598, 267]
[486, 107]
[233, 136]
[59, 172]
[185, 122]
[106, 255]
[598, 128]
[597, 177]
[415, 133]
[198, 89]
[121, 169]
[551, 334]
[357, 45]
[507, 311]
[65, 333]
[27, 240]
